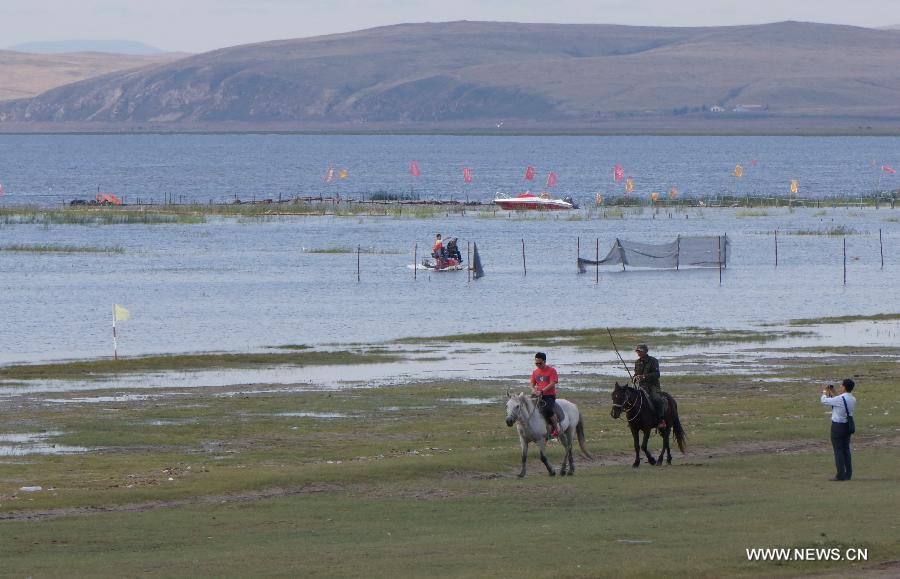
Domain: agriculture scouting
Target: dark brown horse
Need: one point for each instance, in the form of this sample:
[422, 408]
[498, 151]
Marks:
[641, 416]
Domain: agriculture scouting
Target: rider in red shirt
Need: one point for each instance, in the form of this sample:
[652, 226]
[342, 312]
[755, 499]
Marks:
[543, 384]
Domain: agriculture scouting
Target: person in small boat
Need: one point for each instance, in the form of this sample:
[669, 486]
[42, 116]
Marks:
[453, 250]
[438, 251]
[543, 387]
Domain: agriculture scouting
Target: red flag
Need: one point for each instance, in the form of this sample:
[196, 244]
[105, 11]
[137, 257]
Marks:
[467, 175]
[887, 169]
[551, 179]
[414, 169]
[618, 173]
[529, 173]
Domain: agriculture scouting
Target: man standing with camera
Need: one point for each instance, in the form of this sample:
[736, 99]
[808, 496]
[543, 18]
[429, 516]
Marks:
[842, 404]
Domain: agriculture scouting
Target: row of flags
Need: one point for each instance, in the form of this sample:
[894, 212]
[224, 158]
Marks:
[618, 176]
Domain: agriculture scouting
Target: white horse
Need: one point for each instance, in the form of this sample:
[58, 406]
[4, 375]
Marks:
[530, 423]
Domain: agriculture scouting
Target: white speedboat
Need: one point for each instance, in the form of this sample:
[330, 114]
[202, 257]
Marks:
[532, 201]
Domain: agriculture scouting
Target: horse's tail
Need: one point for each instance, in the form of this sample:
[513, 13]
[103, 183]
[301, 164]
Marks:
[579, 431]
[678, 430]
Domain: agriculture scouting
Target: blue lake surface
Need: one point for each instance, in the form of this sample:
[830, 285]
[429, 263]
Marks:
[248, 284]
[48, 169]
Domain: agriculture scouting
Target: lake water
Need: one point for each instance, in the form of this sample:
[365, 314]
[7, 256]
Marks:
[244, 285]
[48, 169]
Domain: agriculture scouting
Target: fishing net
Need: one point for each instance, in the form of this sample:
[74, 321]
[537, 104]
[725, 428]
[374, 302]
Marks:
[692, 251]
[477, 270]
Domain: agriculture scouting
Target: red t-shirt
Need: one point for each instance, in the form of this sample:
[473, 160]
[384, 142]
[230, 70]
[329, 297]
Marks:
[543, 376]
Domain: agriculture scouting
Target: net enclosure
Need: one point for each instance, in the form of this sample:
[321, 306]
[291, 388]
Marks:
[690, 251]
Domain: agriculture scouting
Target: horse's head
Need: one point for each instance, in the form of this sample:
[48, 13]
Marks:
[619, 399]
[514, 407]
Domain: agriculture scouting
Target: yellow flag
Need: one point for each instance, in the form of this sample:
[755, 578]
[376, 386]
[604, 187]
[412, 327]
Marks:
[738, 170]
[673, 193]
[629, 185]
[120, 314]
[342, 174]
[794, 185]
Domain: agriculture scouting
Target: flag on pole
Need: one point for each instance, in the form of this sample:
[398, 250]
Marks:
[884, 168]
[551, 179]
[120, 314]
[673, 192]
[414, 169]
[467, 175]
[342, 174]
[329, 175]
[529, 173]
[738, 170]
[618, 173]
[629, 185]
[654, 197]
[794, 185]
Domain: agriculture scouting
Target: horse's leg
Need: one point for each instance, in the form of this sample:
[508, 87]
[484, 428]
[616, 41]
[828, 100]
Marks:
[564, 441]
[665, 446]
[637, 448]
[524, 445]
[650, 458]
[570, 439]
[542, 444]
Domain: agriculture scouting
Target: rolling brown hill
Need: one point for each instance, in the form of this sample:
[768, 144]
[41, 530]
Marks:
[472, 75]
[25, 75]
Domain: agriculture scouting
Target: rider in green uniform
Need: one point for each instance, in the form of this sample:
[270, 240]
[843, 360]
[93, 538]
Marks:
[646, 376]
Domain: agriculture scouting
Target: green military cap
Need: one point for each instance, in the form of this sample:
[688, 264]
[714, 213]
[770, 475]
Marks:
[641, 348]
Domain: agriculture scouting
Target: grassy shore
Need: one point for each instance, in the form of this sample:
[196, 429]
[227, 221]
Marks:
[613, 207]
[418, 479]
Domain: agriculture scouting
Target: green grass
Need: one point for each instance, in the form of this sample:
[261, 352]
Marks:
[838, 230]
[342, 250]
[96, 369]
[60, 249]
[842, 319]
[751, 213]
[411, 485]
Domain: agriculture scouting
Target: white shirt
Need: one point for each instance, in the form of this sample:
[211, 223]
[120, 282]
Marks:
[838, 412]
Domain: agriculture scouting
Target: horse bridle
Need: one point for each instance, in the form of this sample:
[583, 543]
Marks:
[628, 409]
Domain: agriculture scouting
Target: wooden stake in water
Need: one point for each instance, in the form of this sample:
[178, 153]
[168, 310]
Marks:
[469, 259]
[776, 248]
[881, 248]
[578, 253]
[719, 240]
[677, 252]
[524, 268]
[845, 261]
[597, 265]
[415, 259]
[357, 263]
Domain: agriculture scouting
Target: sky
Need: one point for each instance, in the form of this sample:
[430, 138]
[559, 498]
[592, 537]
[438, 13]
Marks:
[201, 25]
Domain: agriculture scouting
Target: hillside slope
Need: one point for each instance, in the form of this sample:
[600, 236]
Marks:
[473, 74]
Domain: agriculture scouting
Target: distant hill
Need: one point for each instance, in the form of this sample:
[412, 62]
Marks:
[27, 75]
[66, 46]
[472, 75]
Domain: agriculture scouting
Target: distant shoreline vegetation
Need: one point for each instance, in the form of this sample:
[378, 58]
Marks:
[385, 204]
[60, 249]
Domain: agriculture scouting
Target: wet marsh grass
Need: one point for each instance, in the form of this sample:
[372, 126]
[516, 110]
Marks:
[99, 369]
[413, 485]
[843, 319]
